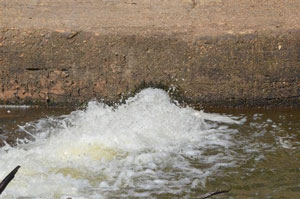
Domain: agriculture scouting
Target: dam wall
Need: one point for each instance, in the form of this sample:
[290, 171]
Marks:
[210, 53]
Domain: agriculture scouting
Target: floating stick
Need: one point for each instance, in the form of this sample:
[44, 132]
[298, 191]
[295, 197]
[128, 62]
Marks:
[8, 178]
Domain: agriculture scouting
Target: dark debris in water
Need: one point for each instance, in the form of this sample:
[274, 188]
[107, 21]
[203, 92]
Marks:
[208, 195]
[8, 178]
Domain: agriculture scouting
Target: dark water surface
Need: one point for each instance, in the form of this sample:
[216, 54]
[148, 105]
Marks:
[272, 137]
[11, 117]
[266, 152]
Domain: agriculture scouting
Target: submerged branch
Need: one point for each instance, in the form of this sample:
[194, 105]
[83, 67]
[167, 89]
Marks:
[8, 178]
[208, 195]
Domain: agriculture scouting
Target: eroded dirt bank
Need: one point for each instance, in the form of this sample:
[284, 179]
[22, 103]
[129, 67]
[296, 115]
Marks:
[215, 53]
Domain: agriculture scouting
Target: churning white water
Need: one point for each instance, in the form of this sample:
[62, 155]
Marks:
[145, 147]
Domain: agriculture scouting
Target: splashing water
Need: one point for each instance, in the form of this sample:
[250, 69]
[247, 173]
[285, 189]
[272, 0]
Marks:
[144, 148]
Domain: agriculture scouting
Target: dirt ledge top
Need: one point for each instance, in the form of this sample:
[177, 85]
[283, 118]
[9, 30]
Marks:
[186, 17]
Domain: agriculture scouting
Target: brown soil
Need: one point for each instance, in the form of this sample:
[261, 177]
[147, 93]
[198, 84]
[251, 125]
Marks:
[189, 17]
[215, 52]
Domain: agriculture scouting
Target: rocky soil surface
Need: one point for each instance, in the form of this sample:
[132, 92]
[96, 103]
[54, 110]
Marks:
[213, 52]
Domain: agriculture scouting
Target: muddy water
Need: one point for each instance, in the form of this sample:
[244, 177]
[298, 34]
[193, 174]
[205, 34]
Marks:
[11, 117]
[271, 147]
[150, 148]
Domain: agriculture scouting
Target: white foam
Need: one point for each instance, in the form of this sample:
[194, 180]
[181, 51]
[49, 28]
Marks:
[141, 148]
[14, 106]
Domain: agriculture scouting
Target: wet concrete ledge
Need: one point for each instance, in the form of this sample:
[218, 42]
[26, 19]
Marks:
[51, 55]
[46, 67]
